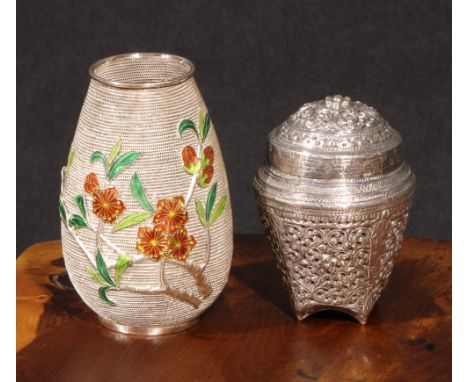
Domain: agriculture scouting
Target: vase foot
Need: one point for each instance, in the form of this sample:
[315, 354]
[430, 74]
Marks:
[148, 331]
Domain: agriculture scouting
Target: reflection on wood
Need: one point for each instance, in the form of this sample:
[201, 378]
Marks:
[250, 333]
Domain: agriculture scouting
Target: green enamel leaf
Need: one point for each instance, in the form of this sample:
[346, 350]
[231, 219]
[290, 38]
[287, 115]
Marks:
[210, 201]
[201, 120]
[205, 128]
[131, 220]
[81, 205]
[76, 221]
[102, 269]
[71, 157]
[97, 155]
[218, 210]
[193, 169]
[103, 294]
[202, 180]
[187, 124]
[123, 262]
[96, 277]
[63, 214]
[121, 163]
[115, 151]
[139, 193]
[200, 212]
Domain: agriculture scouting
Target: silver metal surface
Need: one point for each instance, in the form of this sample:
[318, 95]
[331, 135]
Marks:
[334, 201]
[99, 70]
[148, 331]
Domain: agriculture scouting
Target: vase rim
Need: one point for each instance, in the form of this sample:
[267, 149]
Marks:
[187, 73]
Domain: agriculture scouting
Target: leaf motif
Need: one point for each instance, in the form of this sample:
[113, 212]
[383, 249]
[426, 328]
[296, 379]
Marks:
[121, 163]
[63, 214]
[96, 277]
[206, 126]
[103, 294]
[201, 120]
[210, 200]
[102, 269]
[131, 220]
[200, 212]
[193, 169]
[71, 157]
[185, 125]
[139, 193]
[97, 155]
[115, 151]
[123, 262]
[218, 210]
[81, 205]
[76, 221]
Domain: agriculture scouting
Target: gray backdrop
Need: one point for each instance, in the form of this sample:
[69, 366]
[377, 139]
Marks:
[256, 63]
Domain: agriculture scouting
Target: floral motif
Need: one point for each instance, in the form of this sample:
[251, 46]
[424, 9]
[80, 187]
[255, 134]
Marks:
[168, 237]
[208, 156]
[171, 214]
[190, 159]
[207, 169]
[152, 242]
[91, 183]
[106, 204]
[206, 175]
[181, 244]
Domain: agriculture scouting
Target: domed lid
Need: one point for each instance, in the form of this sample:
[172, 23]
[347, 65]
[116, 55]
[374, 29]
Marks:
[335, 138]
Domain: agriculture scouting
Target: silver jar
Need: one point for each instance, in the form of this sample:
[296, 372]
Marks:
[334, 200]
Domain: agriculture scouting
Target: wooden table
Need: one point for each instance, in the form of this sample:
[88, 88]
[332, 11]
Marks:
[249, 334]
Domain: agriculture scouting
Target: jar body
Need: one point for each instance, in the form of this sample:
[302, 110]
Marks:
[334, 241]
[136, 248]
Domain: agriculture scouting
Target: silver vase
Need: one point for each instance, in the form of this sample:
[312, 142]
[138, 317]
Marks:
[144, 204]
[334, 200]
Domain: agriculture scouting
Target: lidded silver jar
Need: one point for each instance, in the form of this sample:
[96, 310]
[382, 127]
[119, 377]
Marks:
[334, 200]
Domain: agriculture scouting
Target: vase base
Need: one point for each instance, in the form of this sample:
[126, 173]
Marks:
[148, 331]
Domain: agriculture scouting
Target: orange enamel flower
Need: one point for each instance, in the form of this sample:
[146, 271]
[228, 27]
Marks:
[208, 155]
[181, 244]
[171, 214]
[205, 176]
[190, 158]
[91, 183]
[152, 242]
[106, 204]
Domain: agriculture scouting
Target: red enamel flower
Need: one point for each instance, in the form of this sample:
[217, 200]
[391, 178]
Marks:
[181, 244]
[171, 214]
[91, 183]
[106, 204]
[152, 242]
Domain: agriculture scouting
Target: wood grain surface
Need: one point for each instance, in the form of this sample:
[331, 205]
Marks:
[249, 334]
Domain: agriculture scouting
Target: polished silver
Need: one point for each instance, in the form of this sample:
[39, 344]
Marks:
[107, 69]
[334, 200]
[147, 331]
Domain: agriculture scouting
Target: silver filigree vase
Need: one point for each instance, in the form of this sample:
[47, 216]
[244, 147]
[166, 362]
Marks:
[144, 203]
[334, 200]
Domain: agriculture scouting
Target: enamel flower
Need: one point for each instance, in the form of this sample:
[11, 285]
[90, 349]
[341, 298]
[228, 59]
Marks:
[171, 214]
[207, 169]
[106, 204]
[181, 244]
[151, 242]
[91, 183]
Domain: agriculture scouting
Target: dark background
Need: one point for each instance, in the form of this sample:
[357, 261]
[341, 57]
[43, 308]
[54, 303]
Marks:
[256, 63]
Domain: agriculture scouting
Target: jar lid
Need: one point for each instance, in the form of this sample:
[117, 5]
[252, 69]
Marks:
[335, 138]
